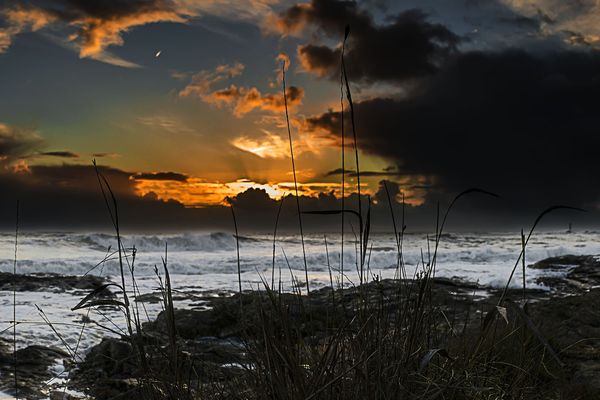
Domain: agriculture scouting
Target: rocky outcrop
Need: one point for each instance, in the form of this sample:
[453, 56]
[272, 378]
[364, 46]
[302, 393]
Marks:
[211, 340]
[51, 282]
[33, 368]
[582, 273]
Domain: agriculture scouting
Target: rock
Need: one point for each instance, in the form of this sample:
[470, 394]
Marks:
[112, 357]
[107, 370]
[583, 273]
[211, 340]
[572, 325]
[192, 324]
[33, 369]
[51, 282]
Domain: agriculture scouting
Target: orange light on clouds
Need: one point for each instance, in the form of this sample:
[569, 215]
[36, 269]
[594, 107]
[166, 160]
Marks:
[269, 146]
[196, 192]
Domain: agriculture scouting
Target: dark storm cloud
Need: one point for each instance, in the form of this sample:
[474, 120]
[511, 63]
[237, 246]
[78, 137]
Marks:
[352, 173]
[106, 155]
[69, 197]
[388, 190]
[338, 171]
[161, 176]
[520, 21]
[59, 154]
[107, 9]
[81, 178]
[252, 199]
[523, 125]
[405, 46]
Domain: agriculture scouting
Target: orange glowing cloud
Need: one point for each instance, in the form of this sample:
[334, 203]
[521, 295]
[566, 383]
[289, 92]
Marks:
[243, 99]
[20, 20]
[97, 28]
[96, 34]
[104, 26]
[195, 192]
[286, 25]
[202, 82]
[270, 145]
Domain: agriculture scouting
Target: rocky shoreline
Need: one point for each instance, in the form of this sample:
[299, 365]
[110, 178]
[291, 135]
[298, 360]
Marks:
[212, 337]
[50, 282]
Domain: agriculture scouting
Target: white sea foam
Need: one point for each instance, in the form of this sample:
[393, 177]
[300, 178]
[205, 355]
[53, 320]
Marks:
[208, 262]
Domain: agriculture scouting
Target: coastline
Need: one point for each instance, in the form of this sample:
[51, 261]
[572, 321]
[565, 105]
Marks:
[211, 333]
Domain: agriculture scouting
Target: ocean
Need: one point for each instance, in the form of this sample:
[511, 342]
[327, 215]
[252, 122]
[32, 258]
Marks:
[206, 264]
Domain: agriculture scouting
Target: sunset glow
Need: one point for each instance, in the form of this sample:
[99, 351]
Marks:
[182, 101]
[197, 193]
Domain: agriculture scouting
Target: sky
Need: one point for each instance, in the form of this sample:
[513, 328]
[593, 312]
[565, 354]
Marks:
[180, 102]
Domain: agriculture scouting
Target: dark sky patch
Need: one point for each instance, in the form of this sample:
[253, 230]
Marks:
[522, 125]
[405, 46]
[161, 176]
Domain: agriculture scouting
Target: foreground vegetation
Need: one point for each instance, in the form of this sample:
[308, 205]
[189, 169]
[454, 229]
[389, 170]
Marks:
[422, 338]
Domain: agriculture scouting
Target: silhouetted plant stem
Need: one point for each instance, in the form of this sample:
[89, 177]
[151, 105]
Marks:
[275, 241]
[115, 221]
[343, 161]
[349, 98]
[237, 245]
[287, 119]
[523, 259]
[15, 303]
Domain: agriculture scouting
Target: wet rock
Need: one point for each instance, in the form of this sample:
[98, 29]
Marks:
[51, 282]
[196, 297]
[32, 368]
[113, 357]
[191, 324]
[582, 273]
[107, 370]
[572, 325]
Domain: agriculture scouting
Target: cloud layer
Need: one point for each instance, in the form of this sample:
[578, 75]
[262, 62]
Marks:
[240, 100]
[405, 46]
[517, 120]
[94, 26]
[520, 124]
[17, 142]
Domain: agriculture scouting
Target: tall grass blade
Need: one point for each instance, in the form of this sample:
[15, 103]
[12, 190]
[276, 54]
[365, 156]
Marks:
[523, 260]
[115, 219]
[237, 246]
[15, 303]
[275, 240]
[396, 235]
[287, 119]
[93, 294]
[351, 104]
[343, 137]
